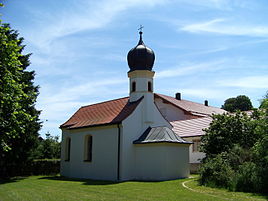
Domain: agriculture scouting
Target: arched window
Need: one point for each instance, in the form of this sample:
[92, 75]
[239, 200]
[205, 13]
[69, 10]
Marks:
[150, 87]
[133, 87]
[88, 148]
[67, 149]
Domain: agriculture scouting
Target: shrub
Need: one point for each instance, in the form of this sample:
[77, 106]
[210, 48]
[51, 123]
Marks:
[247, 178]
[43, 167]
[217, 172]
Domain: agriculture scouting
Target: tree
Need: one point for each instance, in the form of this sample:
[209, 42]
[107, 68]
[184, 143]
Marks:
[227, 130]
[48, 148]
[236, 147]
[241, 103]
[19, 119]
[264, 101]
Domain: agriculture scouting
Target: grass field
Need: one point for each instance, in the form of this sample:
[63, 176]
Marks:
[37, 188]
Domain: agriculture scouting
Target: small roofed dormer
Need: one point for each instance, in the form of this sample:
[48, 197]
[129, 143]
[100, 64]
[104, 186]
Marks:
[140, 61]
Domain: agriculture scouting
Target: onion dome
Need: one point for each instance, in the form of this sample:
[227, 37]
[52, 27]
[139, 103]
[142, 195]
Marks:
[140, 57]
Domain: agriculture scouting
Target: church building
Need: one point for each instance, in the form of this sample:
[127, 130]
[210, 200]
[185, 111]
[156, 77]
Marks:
[146, 136]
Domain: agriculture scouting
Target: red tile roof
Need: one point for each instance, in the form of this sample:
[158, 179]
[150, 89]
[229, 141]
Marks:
[191, 127]
[105, 113]
[115, 111]
[191, 107]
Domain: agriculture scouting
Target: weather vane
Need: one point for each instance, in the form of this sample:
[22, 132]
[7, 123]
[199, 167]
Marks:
[141, 27]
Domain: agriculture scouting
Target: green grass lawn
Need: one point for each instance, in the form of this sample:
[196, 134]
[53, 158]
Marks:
[56, 188]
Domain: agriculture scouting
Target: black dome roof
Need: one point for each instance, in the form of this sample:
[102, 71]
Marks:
[140, 57]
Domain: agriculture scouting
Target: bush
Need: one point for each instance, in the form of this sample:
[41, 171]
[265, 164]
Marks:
[36, 167]
[217, 172]
[247, 178]
[43, 167]
[236, 148]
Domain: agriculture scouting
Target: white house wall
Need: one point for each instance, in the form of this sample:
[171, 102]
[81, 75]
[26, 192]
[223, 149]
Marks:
[197, 156]
[133, 128]
[104, 153]
[170, 112]
[161, 161]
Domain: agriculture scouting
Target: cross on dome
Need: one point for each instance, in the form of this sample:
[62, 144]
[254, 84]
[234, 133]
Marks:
[141, 57]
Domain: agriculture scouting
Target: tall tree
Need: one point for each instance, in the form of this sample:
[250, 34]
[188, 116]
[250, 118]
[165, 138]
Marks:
[240, 102]
[19, 119]
[48, 148]
[264, 101]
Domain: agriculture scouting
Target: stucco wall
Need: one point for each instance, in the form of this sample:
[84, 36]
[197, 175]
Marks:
[161, 161]
[104, 153]
[170, 112]
[195, 157]
[133, 128]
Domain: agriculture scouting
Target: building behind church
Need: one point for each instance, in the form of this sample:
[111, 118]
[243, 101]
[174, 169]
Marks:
[146, 136]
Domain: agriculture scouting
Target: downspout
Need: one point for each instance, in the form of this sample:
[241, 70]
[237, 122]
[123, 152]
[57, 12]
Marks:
[118, 152]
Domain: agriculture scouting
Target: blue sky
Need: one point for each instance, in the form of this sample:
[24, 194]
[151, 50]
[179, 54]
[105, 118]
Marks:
[205, 49]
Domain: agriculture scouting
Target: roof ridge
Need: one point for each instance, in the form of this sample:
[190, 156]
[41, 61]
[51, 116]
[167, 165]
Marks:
[194, 119]
[188, 101]
[104, 102]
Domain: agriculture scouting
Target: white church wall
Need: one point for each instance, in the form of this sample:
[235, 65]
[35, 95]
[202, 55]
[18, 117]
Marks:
[170, 112]
[161, 161]
[104, 153]
[133, 128]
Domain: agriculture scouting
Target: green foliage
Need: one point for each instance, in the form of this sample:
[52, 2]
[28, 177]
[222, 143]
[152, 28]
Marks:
[48, 148]
[216, 172]
[264, 101]
[227, 130]
[241, 103]
[19, 120]
[43, 167]
[247, 178]
[237, 152]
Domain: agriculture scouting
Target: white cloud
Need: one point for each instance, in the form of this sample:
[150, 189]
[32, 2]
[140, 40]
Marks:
[58, 105]
[217, 4]
[189, 69]
[224, 26]
[71, 93]
[85, 15]
[205, 93]
[258, 82]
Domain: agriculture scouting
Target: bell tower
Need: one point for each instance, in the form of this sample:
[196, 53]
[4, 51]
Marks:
[140, 61]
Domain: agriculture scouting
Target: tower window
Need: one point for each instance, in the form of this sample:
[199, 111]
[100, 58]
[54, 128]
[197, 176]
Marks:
[150, 87]
[133, 87]
[67, 149]
[88, 148]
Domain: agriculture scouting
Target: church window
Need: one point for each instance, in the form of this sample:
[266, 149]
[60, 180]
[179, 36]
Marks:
[88, 148]
[133, 86]
[150, 86]
[196, 145]
[67, 149]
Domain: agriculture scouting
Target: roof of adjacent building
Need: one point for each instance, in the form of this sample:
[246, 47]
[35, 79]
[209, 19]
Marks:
[159, 135]
[105, 113]
[191, 107]
[191, 127]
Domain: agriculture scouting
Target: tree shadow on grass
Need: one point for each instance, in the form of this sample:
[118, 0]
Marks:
[11, 180]
[90, 181]
[84, 181]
